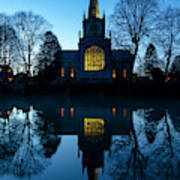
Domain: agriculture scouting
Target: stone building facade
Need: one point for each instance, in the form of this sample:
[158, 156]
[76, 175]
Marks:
[95, 61]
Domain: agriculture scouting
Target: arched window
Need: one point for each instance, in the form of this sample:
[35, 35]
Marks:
[94, 59]
[114, 74]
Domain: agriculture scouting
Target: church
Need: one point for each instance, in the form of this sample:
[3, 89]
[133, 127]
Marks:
[95, 62]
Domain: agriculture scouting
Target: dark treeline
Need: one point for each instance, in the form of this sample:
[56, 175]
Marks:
[138, 25]
[145, 28]
[26, 43]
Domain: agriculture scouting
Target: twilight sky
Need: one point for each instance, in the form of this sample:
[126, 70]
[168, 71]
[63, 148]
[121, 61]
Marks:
[65, 15]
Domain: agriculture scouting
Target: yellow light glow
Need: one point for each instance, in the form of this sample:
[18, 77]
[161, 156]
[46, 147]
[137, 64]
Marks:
[1, 69]
[124, 112]
[0, 113]
[114, 74]
[62, 72]
[72, 72]
[10, 79]
[9, 70]
[72, 112]
[94, 59]
[114, 111]
[62, 112]
[167, 78]
[8, 113]
[124, 73]
[93, 126]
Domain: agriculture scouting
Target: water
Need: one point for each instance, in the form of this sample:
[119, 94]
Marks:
[98, 137]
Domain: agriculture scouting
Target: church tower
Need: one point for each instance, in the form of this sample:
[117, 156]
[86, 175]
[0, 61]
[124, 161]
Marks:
[94, 26]
[94, 47]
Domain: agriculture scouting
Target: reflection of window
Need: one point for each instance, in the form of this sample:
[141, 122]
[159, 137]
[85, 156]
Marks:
[62, 112]
[72, 72]
[62, 72]
[124, 112]
[114, 73]
[93, 126]
[94, 59]
[124, 73]
[8, 113]
[72, 112]
[10, 79]
[114, 111]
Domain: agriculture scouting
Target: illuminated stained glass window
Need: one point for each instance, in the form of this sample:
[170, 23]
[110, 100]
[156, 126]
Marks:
[94, 59]
[93, 126]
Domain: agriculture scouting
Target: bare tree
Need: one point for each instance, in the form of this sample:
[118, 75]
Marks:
[168, 34]
[29, 28]
[131, 22]
[8, 41]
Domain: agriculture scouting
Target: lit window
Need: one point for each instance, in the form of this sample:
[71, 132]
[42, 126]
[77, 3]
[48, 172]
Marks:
[124, 112]
[114, 111]
[114, 74]
[72, 112]
[10, 79]
[1, 69]
[124, 73]
[72, 72]
[8, 113]
[94, 59]
[9, 70]
[62, 72]
[167, 78]
[0, 113]
[62, 112]
[93, 126]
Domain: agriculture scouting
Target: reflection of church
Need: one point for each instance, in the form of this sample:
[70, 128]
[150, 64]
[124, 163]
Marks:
[95, 61]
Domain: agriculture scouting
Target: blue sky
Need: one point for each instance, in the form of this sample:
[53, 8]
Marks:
[65, 15]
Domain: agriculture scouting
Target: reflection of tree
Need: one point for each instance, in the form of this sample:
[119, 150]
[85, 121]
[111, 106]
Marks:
[27, 143]
[146, 156]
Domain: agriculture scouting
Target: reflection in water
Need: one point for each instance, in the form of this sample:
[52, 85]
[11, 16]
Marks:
[27, 143]
[151, 151]
[141, 142]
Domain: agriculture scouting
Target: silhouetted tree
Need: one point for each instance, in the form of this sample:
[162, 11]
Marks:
[131, 22]
[175, 68]
[29, 28]
[8, 40]
[49, 51]
[151, 60]
[167, 33]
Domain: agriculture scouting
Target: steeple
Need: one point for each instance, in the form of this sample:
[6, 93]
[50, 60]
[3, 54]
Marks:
[94, 9]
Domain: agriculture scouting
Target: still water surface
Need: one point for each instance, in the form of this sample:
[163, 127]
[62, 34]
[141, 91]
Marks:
[93, 138]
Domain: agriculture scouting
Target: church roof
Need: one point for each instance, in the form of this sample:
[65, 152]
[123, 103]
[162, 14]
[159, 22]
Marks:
[70, 57]
[121, 55]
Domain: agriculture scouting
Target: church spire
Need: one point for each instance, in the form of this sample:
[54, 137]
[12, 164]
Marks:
[94, 9]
